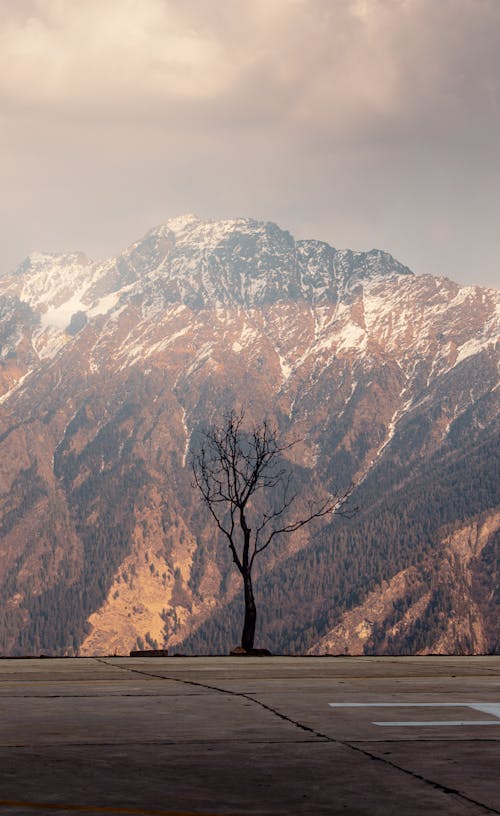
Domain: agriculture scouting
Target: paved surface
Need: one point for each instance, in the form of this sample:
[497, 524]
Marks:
[250, 736]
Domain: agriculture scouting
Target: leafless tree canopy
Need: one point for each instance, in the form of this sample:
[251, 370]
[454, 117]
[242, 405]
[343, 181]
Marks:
[230, 467]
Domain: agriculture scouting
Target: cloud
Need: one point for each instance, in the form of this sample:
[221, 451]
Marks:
[103, 54]
[358, 113]
[324, 65]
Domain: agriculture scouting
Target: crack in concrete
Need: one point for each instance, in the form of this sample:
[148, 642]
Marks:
[320, 737]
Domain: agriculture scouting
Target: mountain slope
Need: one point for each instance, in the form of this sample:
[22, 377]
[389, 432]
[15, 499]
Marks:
[106, 370]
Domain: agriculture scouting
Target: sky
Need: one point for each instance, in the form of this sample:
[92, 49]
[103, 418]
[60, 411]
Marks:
[364, 123]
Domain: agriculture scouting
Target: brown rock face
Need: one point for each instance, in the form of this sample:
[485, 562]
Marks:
[109, 370]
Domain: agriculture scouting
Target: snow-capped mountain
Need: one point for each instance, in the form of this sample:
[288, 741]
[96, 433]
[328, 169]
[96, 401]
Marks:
[390, 380]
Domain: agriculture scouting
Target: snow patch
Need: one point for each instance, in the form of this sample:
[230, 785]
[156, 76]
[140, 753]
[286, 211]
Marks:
[187, 436]
[58, 317]
[247, 335]
[179, 224]
[48, 342]
[15, 387]
[161, 345]
[286, 369]
[472, 347]
[200, 358]
[351, 336]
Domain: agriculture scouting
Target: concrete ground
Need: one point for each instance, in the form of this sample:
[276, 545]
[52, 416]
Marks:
[273, 735]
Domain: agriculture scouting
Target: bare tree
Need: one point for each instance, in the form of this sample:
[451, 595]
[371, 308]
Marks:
[232, 465]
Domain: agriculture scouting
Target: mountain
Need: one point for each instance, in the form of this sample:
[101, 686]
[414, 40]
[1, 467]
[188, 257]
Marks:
[390, 380]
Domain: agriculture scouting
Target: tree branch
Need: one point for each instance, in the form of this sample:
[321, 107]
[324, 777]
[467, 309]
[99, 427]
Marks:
[231, 466]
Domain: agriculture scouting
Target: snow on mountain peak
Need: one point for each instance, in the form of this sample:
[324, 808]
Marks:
[41, 260]
[199, 263]
[182, 222]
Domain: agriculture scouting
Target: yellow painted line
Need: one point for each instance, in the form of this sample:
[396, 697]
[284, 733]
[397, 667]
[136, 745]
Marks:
[84, 681]
[104, 809]
[77, 681]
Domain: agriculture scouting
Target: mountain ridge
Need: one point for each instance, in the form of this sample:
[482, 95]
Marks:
[223, 247]
[107, 368]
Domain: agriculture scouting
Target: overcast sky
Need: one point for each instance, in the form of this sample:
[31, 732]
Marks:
[365, 123]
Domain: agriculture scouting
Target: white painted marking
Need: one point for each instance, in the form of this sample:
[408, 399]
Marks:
[486, 708]
[438, 722]
[407, 705]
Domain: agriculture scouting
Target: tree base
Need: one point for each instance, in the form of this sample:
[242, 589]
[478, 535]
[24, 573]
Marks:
[239, 651]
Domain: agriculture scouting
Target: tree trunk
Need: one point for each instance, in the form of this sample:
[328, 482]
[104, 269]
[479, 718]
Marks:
[248, 634]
